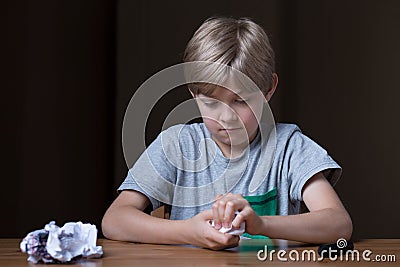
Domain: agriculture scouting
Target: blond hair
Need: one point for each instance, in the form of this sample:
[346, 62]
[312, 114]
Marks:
[239, 43]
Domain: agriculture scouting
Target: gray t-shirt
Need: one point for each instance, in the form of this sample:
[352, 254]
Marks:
[183, 163]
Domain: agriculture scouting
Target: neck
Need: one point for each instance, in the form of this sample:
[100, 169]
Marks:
[234, 151]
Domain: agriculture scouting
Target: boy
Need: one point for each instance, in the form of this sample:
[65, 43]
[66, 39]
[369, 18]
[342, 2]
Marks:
[300, 169]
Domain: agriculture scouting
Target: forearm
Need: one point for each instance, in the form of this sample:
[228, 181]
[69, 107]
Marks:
[322, 226]
[126, 223]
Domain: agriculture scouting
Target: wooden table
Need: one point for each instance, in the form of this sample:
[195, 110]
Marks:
[131, 254]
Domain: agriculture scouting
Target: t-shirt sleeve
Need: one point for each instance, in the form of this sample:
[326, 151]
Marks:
[152, 174]
[305, 158]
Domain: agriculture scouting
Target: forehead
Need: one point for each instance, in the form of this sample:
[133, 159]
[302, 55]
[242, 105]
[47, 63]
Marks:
[228, 87]
[223, 92]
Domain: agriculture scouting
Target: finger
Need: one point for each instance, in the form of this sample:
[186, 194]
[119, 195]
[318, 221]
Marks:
[242, 216]
[229, 213]
[233, 241]
[231, 207]
[221, 210]
[213, 238]
[219, 196]
[215, 216]
[219, 240]
[230, 240]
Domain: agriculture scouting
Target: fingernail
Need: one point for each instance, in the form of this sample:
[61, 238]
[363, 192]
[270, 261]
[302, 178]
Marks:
[217, 226]
[226, 225]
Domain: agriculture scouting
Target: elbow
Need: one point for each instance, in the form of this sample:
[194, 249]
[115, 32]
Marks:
[344, 227]
[341, 227]
[106, 226]
[347, 228]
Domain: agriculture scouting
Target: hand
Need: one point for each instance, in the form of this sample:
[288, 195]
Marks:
[202, 234]
[224, 209]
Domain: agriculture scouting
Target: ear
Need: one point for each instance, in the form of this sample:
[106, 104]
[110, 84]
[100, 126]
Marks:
[272, 89]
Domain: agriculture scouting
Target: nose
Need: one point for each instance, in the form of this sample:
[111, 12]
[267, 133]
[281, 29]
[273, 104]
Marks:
[227, 114]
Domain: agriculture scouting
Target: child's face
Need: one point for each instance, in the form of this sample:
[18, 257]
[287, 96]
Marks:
[232, 118]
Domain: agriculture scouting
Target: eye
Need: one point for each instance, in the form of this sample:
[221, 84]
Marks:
[209, 102]
[241, 101]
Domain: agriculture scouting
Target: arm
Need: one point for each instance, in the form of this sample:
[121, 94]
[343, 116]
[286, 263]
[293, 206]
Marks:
[326, 222]
[125, 220]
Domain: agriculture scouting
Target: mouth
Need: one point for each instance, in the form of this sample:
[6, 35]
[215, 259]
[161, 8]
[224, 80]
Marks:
[230, 129]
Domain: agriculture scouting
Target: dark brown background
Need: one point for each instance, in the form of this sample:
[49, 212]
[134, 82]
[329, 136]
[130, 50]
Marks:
[71, 67]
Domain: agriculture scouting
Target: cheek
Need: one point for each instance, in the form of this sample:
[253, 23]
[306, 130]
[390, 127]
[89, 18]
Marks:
[211, 123]
[248, 118]
[206, 112]
[209, 118]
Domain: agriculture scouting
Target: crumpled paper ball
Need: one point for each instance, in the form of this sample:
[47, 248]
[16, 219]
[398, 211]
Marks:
[61, 245]
[230, 229]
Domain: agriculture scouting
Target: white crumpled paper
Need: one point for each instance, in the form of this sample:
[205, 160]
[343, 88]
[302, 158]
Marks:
[54, 244]
[231, 230]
